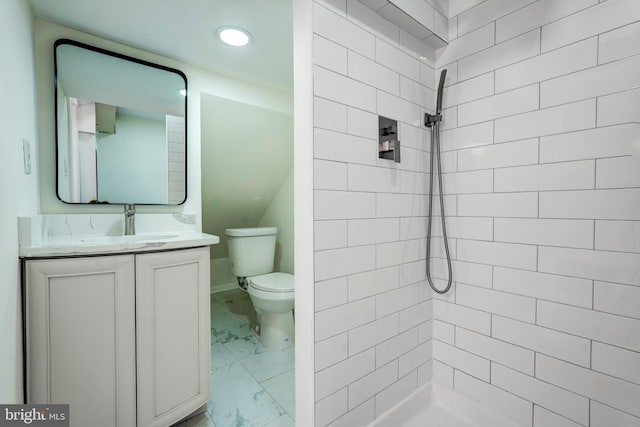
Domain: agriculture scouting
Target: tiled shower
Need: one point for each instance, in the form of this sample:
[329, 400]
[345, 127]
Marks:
[541, 163]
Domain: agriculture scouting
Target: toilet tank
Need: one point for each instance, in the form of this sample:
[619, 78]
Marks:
[251, 250]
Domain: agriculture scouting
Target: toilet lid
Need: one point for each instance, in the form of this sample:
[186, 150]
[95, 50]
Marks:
[273, 282]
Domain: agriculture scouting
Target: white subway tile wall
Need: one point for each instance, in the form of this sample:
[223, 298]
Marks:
[373, 322]
[541, 161]
[543, 323]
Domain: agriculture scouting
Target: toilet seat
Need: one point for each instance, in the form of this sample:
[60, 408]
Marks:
[273, 282]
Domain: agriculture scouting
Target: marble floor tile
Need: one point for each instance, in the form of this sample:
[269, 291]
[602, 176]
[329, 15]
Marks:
[251, 386]
[200, 420]
[282, 389]
[220, 356]
[261, 362]
[217, 307]
[237, 399]
[284, 421]
[291, 351]
[236, 301]
[227, 327]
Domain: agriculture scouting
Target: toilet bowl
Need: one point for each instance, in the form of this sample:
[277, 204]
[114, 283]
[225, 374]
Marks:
[272, 296]
[251, 253]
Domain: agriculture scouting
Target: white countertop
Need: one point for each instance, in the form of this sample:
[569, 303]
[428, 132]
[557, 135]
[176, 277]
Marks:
[94, 244]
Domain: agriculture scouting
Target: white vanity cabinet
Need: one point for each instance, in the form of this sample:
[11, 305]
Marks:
[123, 339]
[173, 335]
[80, 324]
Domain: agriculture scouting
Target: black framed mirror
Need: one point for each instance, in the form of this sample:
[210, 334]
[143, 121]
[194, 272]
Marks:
[121, 128]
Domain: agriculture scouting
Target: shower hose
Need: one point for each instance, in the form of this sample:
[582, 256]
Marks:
[433, 121]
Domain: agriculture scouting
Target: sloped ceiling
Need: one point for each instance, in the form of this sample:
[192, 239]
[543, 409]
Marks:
[247, 153]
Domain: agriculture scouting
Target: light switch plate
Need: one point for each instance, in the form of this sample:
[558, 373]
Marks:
[26, 155]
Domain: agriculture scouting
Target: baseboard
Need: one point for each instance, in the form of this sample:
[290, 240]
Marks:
[224, 287]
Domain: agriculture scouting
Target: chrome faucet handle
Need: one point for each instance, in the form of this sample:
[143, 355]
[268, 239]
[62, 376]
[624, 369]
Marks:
[129, 219]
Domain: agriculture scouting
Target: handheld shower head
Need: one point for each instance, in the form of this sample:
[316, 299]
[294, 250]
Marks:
[430, 119]
[443, 75]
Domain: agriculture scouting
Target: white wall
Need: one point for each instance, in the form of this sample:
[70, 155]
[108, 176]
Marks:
[18, 192]
[199, 81]
[280, 214]
[247, 153]
[541, 150]
[373, 308]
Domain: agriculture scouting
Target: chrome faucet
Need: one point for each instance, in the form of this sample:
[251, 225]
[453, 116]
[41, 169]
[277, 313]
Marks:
[129, 219]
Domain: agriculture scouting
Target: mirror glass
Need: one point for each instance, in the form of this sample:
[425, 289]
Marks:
[120, 128]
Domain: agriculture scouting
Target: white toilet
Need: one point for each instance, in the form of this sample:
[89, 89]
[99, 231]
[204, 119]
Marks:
[252, 251]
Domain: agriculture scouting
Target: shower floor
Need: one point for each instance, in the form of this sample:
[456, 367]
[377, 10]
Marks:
[436, 405]
[436, 416]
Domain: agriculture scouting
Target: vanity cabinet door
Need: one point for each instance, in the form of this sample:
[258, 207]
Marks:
[80, 335]
[173, 334]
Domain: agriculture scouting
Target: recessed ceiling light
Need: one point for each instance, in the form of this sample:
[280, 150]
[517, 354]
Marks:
[234, 36]
[182, 92]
